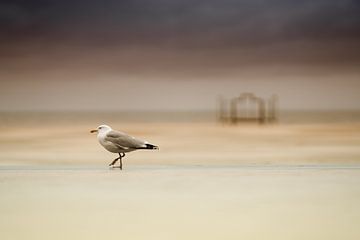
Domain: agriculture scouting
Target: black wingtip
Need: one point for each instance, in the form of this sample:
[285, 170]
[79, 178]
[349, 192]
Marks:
[150, 146]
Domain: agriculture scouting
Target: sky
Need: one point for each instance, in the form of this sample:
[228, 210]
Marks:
[178, 54]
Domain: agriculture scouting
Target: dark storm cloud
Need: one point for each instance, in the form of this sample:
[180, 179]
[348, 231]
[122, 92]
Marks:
[185, 22]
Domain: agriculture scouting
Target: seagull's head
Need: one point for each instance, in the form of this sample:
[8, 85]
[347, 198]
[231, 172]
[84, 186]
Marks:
[101, 128]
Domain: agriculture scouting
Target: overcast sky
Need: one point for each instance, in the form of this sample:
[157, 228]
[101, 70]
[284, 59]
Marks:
[178, 54]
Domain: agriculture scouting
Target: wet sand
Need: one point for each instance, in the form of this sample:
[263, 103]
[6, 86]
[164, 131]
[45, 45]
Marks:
[208, 181]
[202, 143]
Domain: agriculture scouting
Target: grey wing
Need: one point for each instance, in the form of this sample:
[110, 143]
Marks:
[124, 141]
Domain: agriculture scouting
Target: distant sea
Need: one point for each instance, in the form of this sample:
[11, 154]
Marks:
[31, 118]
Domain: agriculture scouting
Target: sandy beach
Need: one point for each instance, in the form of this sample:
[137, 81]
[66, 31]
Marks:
[49, 139]
[208, 181]
[188, 202]
[247, 114]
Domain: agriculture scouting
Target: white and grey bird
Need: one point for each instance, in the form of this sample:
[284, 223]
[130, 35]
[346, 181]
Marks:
[119, 142]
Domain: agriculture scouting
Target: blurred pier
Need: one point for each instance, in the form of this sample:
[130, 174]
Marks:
[247, 108]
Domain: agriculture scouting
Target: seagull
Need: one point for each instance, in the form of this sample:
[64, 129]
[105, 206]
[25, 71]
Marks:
[119, 142]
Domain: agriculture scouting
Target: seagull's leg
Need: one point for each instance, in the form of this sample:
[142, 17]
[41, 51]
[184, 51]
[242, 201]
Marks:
[121, 156]
[113, 162]
[120, 161]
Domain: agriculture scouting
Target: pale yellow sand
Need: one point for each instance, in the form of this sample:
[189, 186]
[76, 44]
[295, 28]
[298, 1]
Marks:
[208, 181]
[169, 202]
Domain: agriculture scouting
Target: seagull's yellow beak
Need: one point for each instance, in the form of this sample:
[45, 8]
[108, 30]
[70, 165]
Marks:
[95, 130]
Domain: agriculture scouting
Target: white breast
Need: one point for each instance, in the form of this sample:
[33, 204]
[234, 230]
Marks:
[106, 144]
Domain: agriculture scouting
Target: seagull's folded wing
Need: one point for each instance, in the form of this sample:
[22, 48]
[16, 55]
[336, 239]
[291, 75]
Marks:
[123, 140]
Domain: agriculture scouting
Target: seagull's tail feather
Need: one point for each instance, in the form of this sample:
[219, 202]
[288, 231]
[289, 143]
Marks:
[150, 146]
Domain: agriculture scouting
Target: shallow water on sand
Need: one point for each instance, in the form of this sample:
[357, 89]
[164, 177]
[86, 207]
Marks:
[180, 202]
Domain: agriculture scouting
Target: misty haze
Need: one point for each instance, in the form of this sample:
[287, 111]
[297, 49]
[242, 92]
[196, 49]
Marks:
[254, 106]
